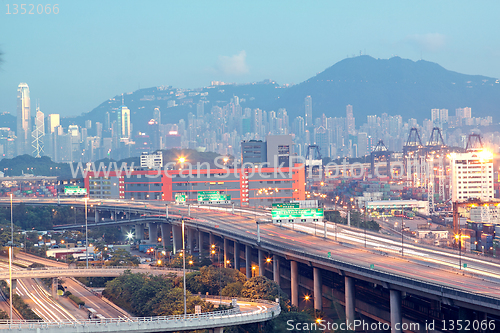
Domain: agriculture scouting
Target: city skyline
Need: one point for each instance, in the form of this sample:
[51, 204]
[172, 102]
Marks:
[382, 30]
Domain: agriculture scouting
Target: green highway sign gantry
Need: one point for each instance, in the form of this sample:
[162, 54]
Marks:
[294, 213]
[212, 196]
[180, 198]
[74, 190]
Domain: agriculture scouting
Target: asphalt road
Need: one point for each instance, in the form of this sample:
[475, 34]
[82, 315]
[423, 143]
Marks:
[414, 264]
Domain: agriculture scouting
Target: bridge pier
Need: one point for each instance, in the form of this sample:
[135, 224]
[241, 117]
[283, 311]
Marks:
[139, 231]
[294, 277]
[226, 257]
[396, 316]
[153, 233]
[261, 262]
[248, 261]
[96, 215]
[236, 247]
[166, 229]
[211, 239]
[190, 239]
[200, 244]
[216, 330]
[318, 298]
[276, 269]
[177, 238]
[350, 300]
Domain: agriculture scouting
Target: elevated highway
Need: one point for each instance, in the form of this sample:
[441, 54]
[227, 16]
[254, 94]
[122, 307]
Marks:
[248, 311]
[304, 263]
[106, 271]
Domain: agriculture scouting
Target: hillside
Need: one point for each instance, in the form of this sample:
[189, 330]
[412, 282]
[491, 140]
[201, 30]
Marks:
[372, 86]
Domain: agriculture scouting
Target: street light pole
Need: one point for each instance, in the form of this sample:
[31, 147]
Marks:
[184, 266]
[10, 256]
[365, 225]
[86, 236]
[402, 239]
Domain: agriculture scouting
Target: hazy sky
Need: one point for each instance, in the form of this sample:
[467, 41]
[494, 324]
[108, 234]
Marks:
[93, 50]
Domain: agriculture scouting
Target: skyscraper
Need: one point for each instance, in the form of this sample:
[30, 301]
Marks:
[125, 122]
[38, 134]
[23, 119]
[309, 111]
[200, 109]
[350, 121]
[157, 116]
[53, 122]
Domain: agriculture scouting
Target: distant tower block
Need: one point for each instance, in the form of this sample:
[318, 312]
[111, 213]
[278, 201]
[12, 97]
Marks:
[309, 110]
[38, 134]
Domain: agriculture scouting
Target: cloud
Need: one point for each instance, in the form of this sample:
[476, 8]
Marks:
[234, 65]
[427, 42]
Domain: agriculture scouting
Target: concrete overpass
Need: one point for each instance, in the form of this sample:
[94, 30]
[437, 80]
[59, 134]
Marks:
[322, 266]
[214, 321]
[109, 271]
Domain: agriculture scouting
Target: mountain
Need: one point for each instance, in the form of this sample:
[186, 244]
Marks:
[395, 86]
[372, 86]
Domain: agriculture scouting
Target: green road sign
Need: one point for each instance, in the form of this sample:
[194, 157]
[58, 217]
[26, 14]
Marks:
[372, 266]
[286, 205]
[292, 213]
[212, 196]
[180, 198]
[329, 254]
[465, 265]
[74, 190]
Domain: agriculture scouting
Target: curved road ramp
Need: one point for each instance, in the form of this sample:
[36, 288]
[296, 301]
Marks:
[259, 311]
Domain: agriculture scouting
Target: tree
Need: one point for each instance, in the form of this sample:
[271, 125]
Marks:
[233, 289]
[216, 278]
[260, 287]
[122, 257]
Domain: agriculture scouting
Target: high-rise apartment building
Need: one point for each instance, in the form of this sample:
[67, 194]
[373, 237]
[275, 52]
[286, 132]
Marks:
[38, 134]
[350, 120]
[23, 119]
[472, 175]
[53, 121]
[200, 109]
[125, 122]
[157, 116]
[309, 111]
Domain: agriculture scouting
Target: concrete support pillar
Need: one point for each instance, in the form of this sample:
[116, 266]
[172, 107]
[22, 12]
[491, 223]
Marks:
[96, 215]
[190, 239]
[200, 244]
[211, 239]
[153, 233]
[350, 300]
[261, 263]
[318, 298]
[396, 316]
[236, 259]
[216, 330]
[113, 214]
[166, 229]
[226, 257]
[125, 230]
[248, 261]
[276, 269]
[177, 238]
[139, 231]
[294, 276]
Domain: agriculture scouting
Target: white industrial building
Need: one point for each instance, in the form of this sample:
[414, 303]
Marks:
[472, 175]
[152, 161]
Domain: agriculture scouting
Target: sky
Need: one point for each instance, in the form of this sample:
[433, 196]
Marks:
[91, 51]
